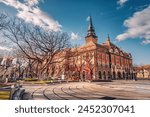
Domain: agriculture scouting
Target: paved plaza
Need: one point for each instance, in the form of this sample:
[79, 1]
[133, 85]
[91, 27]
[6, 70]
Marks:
[116, 90]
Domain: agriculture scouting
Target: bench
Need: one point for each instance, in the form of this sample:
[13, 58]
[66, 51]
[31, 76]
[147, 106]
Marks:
[5, 94]
[11, 93]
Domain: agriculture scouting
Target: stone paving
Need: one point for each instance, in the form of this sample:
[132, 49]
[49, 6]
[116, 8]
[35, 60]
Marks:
[116, 90]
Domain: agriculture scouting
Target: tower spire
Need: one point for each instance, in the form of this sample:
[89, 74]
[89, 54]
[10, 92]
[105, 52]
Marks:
[108, 38]
[91, 30]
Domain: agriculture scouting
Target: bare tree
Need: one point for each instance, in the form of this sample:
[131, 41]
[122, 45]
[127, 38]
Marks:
[2, 20]
[77, 65]
[80, 62]
[2, 23]
[37, 45]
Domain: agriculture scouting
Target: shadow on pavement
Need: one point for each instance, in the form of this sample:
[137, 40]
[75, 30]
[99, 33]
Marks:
[108, 98]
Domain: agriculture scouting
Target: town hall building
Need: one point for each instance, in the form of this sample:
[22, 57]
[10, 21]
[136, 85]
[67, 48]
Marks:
[94, 61]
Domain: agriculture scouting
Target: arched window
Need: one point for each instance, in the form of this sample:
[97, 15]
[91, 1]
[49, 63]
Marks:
[79, 74]
[127, 76]
[99, 75]
[104, 75]
[109, 75]
[119, 75]
[114, 75]
[83, 75]
[123, 75]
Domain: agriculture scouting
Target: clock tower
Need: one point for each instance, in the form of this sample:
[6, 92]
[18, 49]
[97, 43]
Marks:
[91, 36]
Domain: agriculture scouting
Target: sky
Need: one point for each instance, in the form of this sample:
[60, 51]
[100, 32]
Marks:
[126, 21]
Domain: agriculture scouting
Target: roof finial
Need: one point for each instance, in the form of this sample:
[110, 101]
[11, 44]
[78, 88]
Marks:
[90, 23]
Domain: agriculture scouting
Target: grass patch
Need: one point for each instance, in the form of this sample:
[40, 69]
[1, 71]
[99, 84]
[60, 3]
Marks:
[30, 79]
[35, 81]
[42, 82]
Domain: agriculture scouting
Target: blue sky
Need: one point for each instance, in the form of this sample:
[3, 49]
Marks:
[126, 21]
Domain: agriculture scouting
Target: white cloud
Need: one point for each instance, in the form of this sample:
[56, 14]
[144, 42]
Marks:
[5, 48]
[145, 42]
[138, 26]
[32, 2]
[139, 8]
[30, 12]
[121, 2]
[75, 36]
